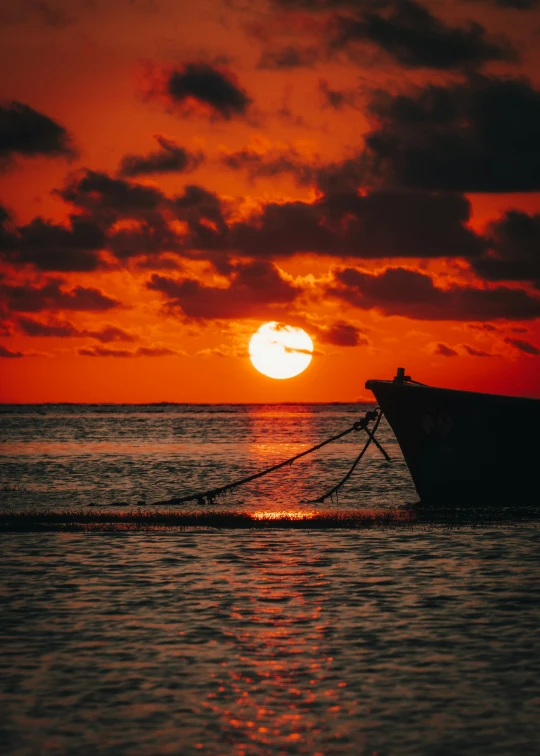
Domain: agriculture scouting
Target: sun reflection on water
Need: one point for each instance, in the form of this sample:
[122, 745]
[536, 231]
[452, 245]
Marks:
[279, 687]
[291, 514]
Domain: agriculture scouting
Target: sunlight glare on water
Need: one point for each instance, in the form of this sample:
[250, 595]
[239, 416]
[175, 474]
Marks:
[71, 456]
[407, 641]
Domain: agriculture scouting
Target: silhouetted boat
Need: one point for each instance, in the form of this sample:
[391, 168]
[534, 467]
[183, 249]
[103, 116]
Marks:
[464, 448]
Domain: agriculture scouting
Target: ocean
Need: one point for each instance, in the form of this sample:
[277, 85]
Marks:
[411, 639]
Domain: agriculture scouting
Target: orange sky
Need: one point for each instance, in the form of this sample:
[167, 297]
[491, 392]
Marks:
[174, 174]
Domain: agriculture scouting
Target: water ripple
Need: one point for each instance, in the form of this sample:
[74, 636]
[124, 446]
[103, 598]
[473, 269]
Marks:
[395, 642]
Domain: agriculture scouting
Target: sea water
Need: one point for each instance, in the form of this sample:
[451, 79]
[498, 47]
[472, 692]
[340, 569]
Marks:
[75, 455]
[404, 640]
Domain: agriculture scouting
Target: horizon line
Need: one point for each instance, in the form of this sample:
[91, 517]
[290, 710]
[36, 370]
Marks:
[185, 404]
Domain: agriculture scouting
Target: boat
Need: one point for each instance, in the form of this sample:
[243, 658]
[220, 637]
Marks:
[464, 449]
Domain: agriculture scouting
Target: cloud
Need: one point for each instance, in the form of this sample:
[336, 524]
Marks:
[5, 352]
[8, 236]
[150, 238]
[323, 6]
[254, 290]
[107, 201]
[376, 225]
[98, 351]
[203, 213]
[523, 346]
[65, 329]
[341, 333]
[109, 333]
[108, 197]
[411, 294]
[270, 163]
[224, 351]
[139, 220]
[476, 136]
[51, 15]
[51, 247]
[489, 327]
[28, 11]
[515, 243]
[54, 329]
[474, 352]
[283, 58]
[171, 158]
[337, 99]
[442, 350]
[417, 39]
[517, 4]
[25, 131]
[209, 86]
[326, 6]
[50, 296]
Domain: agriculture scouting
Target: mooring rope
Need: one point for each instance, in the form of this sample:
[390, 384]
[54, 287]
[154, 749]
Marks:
[209, 496]
[330, 494]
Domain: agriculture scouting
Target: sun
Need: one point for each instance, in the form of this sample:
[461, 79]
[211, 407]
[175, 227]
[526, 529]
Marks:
[280, 351]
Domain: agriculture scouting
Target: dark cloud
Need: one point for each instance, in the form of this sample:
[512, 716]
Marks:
[106, 200]
[203, 213]
[474, 352]
[477, 136]
[51, 14]
[270, 164]
[337, 99]
[25, 131]
[523, 346]
[289, 57]
[36, 11]
[65, 329]
[5, 352]
[103, 195]
[517, 4]
[329, 5]
[50, 296]
[359, 6]
[171, 158]
[197, 199]
[377, 225]
[110, 333]
[54, 329]
[150, 239]
[51, 247]
[97, 351]
[411, 294]
[489, 327]
[515, 244]
[156, 352]
[8, 237]
[137, 218]
[416, 38]
[443, 350]
[253, 289]
[159, 263]
[209, 86]
[341, 333]
[6, 324]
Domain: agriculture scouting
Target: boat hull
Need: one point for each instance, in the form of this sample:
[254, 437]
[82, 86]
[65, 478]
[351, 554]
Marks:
[464, 448]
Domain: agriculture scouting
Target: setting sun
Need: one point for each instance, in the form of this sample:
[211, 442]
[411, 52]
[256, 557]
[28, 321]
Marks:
[280, 351]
